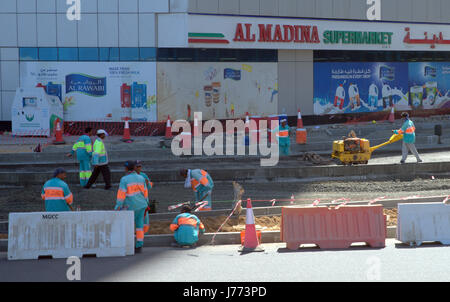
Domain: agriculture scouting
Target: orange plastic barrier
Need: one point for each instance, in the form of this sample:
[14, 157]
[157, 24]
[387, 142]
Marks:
[332, 228]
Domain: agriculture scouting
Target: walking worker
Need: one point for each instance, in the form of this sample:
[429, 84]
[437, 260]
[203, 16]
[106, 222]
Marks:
[56, 193]
[83, 149]
[133, 196]
[202, 185]
[100, 161]
[284, 141]
[186, 227]
[409, 138]
[138, 168]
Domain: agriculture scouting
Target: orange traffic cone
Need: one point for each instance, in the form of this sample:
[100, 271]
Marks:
[168, 128]
[251, 243]
[392, 115]
[58, 134]
[299, 120]
[195, 129]
[126, 133]
[300, 134]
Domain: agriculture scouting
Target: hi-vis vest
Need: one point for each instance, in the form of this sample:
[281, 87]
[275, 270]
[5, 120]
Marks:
[408, 130]
[195, 183]
[56, 195]
[282, 132]
[132, 193]
[99, 157]
[83, 148]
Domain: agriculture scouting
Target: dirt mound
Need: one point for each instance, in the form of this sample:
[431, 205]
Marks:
[392, 216]
[264, 223]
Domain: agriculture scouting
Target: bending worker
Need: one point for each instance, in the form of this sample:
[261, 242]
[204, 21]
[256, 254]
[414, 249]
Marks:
[83, 148]
[284, 141]
[138, 168]
[186, 227]
[133, 196]
[100, 161]
[409, 138]
[202, 185]
[56, 193]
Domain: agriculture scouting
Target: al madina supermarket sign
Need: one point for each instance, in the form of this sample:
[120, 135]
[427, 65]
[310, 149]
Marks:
[265, 33]
[296, 33]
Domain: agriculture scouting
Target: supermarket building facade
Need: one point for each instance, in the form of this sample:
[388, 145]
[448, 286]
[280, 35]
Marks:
[147, 59]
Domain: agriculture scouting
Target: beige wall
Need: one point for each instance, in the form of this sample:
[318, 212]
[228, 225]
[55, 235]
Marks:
[295, 78]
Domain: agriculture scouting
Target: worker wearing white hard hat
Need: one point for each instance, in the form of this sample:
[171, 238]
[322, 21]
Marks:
[100, 161]
[282, 134]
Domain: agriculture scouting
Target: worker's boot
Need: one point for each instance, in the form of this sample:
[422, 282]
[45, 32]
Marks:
[138, 247]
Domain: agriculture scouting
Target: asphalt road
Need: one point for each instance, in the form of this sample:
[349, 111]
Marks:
[395, 262]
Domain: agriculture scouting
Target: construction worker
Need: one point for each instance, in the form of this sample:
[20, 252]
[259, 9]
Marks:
[138, 168]
[83, 149]
[284, 141]
[186, 227]
[133, 196]
[409, 138]
[56, 193]
[202, 185]
[100, 161]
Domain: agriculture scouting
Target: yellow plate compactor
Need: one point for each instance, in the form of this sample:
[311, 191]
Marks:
[357, 150]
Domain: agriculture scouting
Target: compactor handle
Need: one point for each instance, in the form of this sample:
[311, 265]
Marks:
[394, 138]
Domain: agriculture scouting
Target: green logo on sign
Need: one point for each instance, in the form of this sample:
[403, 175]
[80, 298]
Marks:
[29, 118]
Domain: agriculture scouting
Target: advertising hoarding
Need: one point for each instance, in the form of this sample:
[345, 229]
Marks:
[360, 87]
[218, 90]
[97, 91]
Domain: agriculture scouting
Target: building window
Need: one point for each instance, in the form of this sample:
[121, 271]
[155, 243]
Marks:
[88, 54]
[48, 54]
[109, 54]
[129, 54]
[28, 54]
[147, 54]
[68, 54]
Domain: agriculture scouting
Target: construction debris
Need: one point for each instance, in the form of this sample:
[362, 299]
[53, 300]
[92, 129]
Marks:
[314, 158]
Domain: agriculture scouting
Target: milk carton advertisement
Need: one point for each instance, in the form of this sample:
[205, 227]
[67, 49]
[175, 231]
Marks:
[341, 88]
[430, 85]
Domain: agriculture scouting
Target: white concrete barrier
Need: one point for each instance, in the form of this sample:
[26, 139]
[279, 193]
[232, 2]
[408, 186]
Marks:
[420, 222]
[65, 234]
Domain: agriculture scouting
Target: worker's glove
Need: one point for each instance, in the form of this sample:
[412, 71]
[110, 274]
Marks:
[119, 206]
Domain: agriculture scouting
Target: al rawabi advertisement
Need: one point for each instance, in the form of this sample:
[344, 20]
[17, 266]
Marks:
[360, 87]
[97, 91]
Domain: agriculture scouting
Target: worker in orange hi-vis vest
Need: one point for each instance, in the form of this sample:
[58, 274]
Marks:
[133, 196]
[409, 138]
[186, 228]
[149, 183]
[202, 185]
[56, 193]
